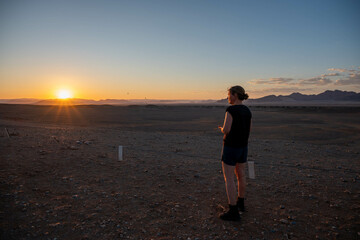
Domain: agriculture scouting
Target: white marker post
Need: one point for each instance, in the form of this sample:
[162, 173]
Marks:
[251, 169]
[120, 153]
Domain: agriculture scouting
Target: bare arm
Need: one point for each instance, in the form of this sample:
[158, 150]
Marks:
[227, 124]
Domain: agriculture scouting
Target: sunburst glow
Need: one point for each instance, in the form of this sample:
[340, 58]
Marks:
[64, 94]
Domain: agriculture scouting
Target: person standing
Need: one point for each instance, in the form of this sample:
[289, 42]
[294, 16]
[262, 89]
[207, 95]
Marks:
[236, 130]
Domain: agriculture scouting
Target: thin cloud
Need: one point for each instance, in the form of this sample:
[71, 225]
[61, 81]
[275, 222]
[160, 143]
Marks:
[343, 70]
[281, 80]
[348, 77]
[288, 89]
[317, 81]
[330, 75]
[352, 79]
[338, 69]
[272, 81]
[271, 91]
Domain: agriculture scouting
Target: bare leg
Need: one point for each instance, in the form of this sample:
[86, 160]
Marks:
[240, 174]
[229, 183]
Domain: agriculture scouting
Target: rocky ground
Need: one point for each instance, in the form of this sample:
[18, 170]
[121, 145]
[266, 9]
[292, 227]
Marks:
[60, 180]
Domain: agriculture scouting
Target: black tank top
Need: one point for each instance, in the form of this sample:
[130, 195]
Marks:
[240, 127]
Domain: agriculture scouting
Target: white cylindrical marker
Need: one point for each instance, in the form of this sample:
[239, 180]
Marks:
[120, 153]
[251, 169]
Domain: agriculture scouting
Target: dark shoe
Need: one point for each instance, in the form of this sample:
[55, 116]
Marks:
[240, 204]
[231, 215]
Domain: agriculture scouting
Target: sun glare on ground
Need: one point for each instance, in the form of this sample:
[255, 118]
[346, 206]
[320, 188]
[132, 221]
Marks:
[63, 94]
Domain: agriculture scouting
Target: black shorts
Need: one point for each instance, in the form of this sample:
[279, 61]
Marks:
[232, 155]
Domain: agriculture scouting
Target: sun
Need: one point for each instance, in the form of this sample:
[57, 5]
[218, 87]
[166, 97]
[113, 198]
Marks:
[64, 94]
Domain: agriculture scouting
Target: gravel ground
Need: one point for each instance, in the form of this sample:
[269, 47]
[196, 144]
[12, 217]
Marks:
[60, 180]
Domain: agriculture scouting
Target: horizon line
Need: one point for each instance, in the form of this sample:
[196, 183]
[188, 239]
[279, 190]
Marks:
[162, 99]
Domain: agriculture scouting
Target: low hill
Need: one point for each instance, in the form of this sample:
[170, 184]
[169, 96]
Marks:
[327, 96]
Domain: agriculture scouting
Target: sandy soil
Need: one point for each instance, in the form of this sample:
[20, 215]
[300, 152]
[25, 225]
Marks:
[60, 177]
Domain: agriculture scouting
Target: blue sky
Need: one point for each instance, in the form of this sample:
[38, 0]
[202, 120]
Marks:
[177, 49]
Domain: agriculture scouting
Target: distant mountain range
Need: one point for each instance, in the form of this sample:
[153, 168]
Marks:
[327, 96]
[336, 96]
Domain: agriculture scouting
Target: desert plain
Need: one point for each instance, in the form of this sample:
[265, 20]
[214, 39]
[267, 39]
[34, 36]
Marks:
[61, 178]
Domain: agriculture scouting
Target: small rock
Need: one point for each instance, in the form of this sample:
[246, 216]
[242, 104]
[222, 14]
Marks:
[54, 224]
[42, 152]
[284, 221]
[312, 197]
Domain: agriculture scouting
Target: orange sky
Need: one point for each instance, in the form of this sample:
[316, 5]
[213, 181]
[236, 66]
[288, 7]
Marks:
[177, 49]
